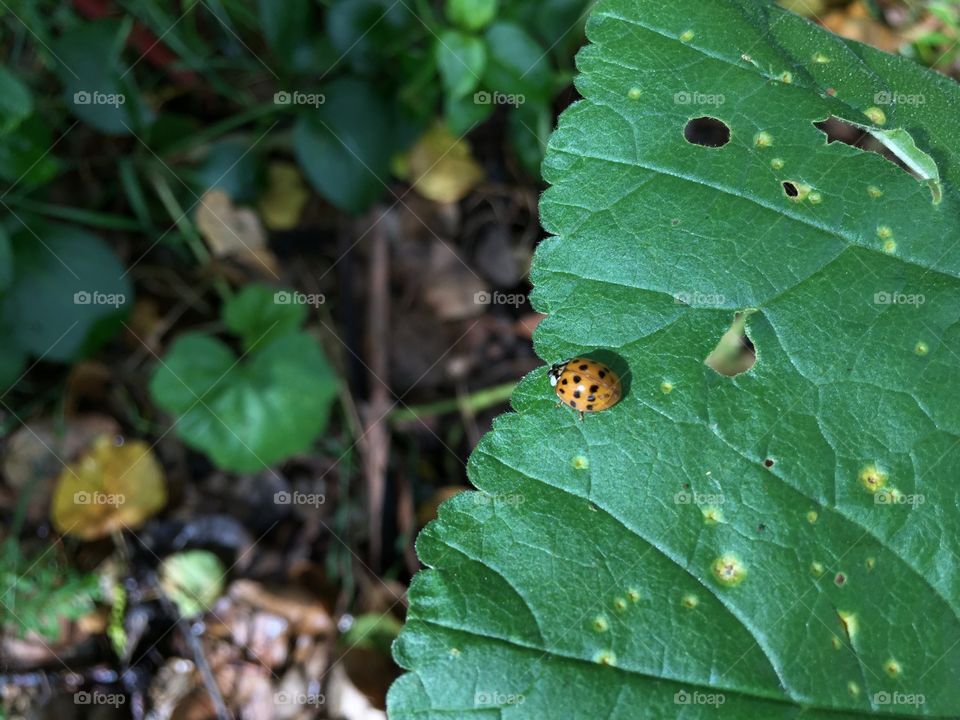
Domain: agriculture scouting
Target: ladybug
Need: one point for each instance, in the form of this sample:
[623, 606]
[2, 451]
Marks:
[585, 385]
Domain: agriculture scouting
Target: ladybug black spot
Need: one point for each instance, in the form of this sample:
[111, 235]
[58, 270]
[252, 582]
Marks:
[603, 374]
[594, 388]
[591, 398]
[563, 382]
[562, 391]
[573, 403]
[589, 407]
[576, 394]
[583, 367]
[576, 378]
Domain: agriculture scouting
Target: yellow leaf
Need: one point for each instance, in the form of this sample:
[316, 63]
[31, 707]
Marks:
[108, 488]
[233, 232]
[441, 167]
[284, 198]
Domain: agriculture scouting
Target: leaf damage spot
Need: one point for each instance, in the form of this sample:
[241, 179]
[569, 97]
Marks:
[892, 668]
[712, 515]
[812, 517]
[600, 624]
[707, 131]
[763, 139]
[876, 115]
[734, 353]
[729, 570]
[853, 689]
[895, 145]
[921, 348]
[836, 642]
[871, 563]
[580, 462]
[872, 478]
[619, 604]
[816, 569]
[840, 579]
[777, 163]
[884, 232]
[634, 93]
[687, 36]
[820, 58]
[769, 462]
[666, 387]
[689, 601]
[849, 623]
[605, 657]
[633, 595]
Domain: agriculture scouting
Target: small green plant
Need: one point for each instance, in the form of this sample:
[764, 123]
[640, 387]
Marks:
[258, 408]
[39, 593]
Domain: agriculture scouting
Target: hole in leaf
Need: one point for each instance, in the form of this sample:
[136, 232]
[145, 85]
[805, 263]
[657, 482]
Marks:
[734, 354]
[768, 463]
[897, 146]
[790, 189]
[707, 131]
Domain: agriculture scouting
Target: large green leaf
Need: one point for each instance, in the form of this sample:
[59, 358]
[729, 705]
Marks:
[784, 541]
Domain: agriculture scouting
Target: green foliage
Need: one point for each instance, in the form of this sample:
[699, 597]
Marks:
[257, 409]
[780, 543]
[62, 295]
[39, 593]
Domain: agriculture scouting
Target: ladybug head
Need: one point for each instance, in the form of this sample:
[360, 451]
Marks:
[555, 371]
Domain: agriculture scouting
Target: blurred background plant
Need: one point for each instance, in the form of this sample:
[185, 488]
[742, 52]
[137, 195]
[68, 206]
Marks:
[262, 287]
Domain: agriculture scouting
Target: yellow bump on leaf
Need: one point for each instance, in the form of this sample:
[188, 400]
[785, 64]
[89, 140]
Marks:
[666, 387]
[763, 139]
[872, 478]
[286, 194]
[687, 36]
[853, 689]
[634, 93]
[892, 668]
[816, 569]
[815, 198]
[633, 594]
[884, 232]
[441, 167]
[786, 77]
[871, 563]
[848, 621]
[712, 515]
[876, 115]
[600, 623]
[605, 657]
[689, 601]
[874, 192]
[619, 604]
[580, 462]
[812, 516]
[109, 488]
[890, 246]
[835, 641]
[820, 58]
[777, 163]
[921, 348]
[729, 570]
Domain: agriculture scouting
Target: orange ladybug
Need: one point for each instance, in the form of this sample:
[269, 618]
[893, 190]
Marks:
[585, 385]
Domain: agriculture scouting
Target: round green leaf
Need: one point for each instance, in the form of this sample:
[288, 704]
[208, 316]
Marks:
[472, 15]
[345, 145]
[68, 294]
[461, 59]
[250, 413]
[260, 314]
